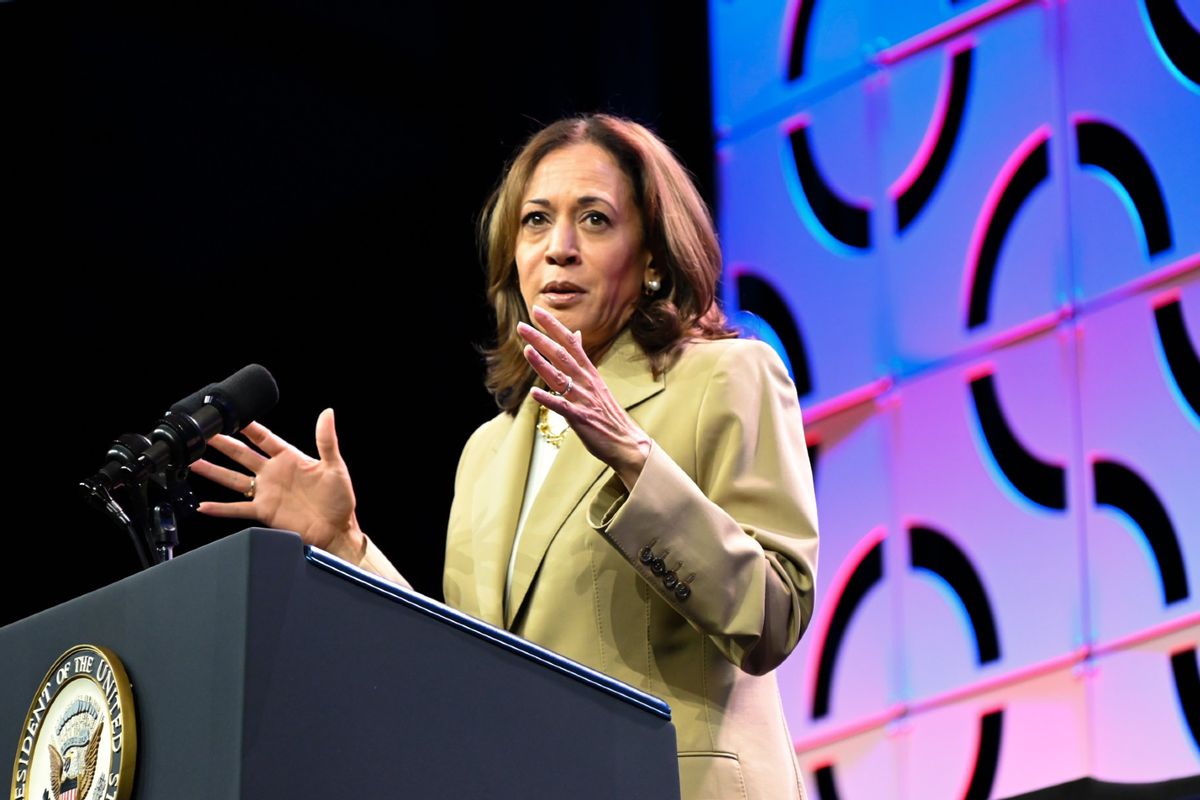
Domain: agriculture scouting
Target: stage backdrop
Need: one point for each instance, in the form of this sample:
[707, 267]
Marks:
[973, 231]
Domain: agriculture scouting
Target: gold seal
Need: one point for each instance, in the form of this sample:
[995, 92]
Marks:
[79, 739]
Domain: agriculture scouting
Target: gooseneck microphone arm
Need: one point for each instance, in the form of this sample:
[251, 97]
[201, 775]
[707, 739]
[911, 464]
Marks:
[149, 472]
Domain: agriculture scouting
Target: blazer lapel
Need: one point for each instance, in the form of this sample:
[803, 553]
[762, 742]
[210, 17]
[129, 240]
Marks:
[626, 371]
[496, 505]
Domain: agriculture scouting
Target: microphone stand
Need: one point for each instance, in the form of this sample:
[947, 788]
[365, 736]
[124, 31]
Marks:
[156, 494]
[153, 469]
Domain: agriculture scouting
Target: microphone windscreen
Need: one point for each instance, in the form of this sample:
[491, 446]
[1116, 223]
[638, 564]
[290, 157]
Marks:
[191, 404]
[246, 395]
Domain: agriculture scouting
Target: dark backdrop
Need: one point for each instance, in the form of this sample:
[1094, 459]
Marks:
[289, 183]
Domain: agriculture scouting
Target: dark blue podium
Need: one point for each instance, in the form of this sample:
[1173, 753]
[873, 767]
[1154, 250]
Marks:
[262, 668]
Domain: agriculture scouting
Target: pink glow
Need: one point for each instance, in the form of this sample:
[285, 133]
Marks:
[833, 735]
[787, 31]
[833, 594]
[1087, 116]
[897, 711]
[1150, 280]
[995, 682]
[1148, 634]
[877, 388]
[1187, 648]
[947, 30]
[980, 370]
[937, 123]
[1018, 676]
[796, 122]
[991, 201]
[854, 397]
[1026, 330]
[1172, 295]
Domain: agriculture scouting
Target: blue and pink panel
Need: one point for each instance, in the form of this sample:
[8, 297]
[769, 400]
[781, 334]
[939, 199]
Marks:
[972, 229]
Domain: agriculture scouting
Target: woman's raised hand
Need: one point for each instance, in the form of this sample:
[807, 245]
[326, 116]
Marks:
[286, 488]
[582, 397]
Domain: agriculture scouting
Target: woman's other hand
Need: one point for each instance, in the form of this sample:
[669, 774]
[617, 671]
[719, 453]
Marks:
[604, 427]
[289, 490]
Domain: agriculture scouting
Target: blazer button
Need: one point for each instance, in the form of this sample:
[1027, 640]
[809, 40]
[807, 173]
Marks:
[646, 555]
[683, 591]
[670, 580]
[658, 566]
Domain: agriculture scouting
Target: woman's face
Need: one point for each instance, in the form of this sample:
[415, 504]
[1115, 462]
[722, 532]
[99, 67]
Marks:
[580, 252]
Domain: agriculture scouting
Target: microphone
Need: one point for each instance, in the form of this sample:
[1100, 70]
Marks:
[180, 436]
[236, 401]
[192, 403]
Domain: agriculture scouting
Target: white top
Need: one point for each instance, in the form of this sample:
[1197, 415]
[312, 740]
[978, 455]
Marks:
[540, 462]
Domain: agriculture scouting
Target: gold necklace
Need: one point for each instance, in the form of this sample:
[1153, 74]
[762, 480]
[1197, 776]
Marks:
[543, 427]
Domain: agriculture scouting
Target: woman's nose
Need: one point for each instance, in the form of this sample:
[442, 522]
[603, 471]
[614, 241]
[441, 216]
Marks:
[563, 248]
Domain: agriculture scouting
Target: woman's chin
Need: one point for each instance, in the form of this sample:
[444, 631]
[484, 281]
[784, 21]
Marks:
[568, 315]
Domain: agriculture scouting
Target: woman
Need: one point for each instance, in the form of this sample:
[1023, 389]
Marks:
[643, 503]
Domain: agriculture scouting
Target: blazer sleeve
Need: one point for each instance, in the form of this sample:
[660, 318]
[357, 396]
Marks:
[745, 528]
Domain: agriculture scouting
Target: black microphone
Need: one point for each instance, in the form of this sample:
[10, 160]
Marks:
[231, 404]
[180, 436]
[192, 403]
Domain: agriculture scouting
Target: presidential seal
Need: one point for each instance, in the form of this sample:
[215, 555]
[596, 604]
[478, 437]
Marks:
[79, 739]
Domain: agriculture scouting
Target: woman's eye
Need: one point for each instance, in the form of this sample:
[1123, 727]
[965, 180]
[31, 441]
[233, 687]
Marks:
[534, 218]
[595, 219]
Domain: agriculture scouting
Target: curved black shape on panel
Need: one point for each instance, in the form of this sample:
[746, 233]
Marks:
[909, 204]
[1033, 171]
[987, 760]
[1103, 146]
[848, 223]
[1187, 685]
[936, 553]
[1178, 39]
[866, 574]
[1119, 487]
[760, 298]
[991, 725]
[800, 39]
[1182, 360]
[1042, 483]
[826, 785]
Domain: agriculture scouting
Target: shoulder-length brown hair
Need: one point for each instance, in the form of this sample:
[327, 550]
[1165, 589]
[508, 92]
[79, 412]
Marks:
[678, 231]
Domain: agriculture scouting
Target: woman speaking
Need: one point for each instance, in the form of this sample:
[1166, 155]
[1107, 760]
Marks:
[643, 502]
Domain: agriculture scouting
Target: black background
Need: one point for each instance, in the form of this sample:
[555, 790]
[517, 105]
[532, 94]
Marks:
[297, 184]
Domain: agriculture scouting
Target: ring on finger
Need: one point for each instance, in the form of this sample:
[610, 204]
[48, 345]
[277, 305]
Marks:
[253, 487]
[566, 389]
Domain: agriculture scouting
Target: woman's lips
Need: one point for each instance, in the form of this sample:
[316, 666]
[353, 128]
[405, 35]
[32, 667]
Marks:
[562, 299]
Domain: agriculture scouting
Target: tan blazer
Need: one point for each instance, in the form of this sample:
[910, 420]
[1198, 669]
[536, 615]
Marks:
[725, 499]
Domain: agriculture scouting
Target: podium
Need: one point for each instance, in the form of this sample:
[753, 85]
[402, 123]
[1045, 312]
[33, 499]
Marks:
[262, 668]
